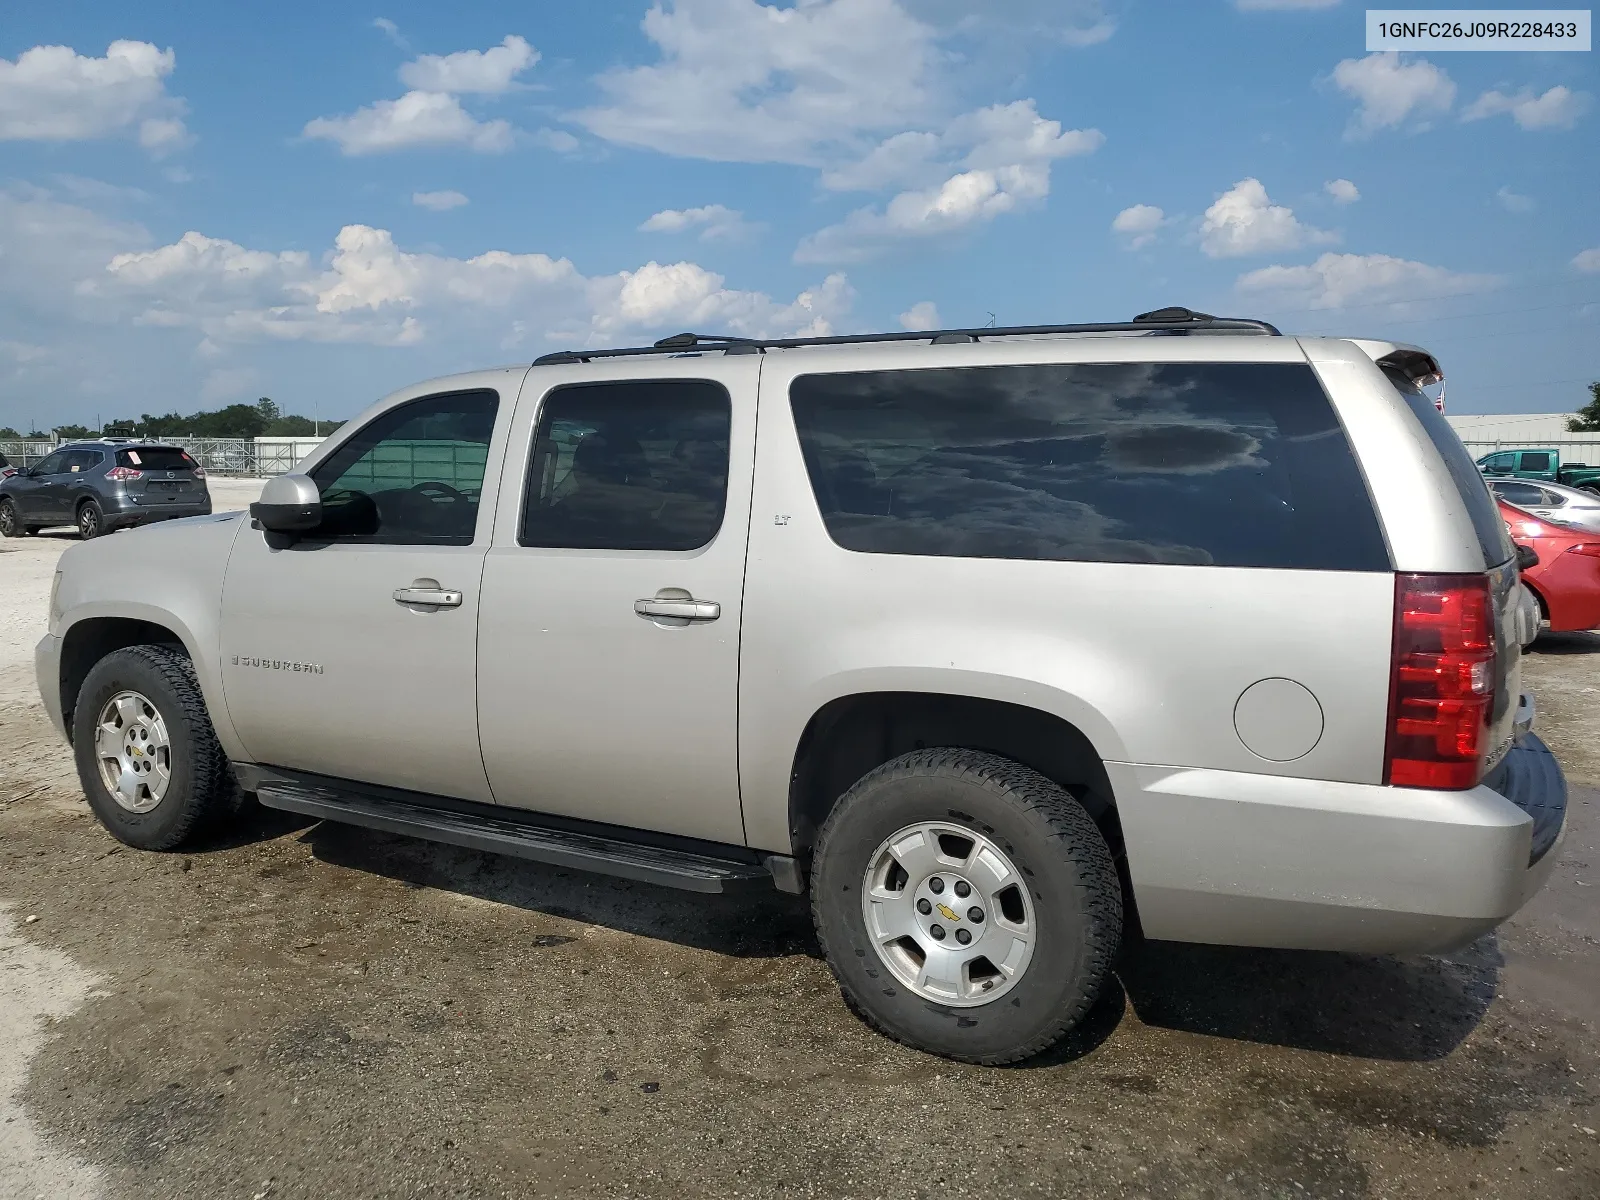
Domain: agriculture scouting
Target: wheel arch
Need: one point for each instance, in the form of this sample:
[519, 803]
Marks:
[851, 734]
[89, 639]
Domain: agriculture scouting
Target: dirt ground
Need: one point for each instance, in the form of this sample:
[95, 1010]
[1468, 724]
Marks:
[310, 1010]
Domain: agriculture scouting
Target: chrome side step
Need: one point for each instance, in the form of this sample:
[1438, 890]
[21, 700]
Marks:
[520, 835]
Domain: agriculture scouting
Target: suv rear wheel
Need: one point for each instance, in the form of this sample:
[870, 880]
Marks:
[147, 756]
[967, 905]
[91, 521]
[10, 524]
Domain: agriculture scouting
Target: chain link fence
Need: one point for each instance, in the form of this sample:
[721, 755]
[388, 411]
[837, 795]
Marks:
[219, 456]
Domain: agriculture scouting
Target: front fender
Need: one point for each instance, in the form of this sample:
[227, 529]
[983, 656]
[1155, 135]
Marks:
[169, 575]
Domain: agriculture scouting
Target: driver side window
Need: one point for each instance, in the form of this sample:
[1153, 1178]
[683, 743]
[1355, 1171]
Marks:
[414, 476]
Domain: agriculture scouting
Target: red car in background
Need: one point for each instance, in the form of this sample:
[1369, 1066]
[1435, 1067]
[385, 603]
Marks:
[1567, 578]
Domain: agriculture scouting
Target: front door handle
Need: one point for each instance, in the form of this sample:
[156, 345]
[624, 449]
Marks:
[674, 609]
[437, 596]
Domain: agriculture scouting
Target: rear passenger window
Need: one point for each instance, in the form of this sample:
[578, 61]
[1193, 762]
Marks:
[629, 466]
[1536, 460]
[1241, 465]
[1523, 494]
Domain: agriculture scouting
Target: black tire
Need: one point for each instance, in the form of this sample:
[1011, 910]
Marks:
[1055, 846]
[10, 524]
[91, 520]
[202, 794]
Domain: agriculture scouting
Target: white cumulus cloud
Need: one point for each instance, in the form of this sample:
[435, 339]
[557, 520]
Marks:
[415, 119]
[368, 289]
[1138, 224]
[741, 81]
[484, 72]
[986, 162]
[1558, 108]
[922, 315]
[53, 93]
[431, 113]
[1342, 191]
[1587, 260]
[716, 222]
[1339, 280]
[968, 198]
[1391, 90]
[438, 201]
[391, 31]
[1245, 221]
[1514, 201]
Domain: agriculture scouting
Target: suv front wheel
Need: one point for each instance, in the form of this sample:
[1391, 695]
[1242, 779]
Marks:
[967, 905]
[147, 756]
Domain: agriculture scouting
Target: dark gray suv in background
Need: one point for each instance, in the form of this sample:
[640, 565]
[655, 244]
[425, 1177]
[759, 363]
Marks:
[101, 486]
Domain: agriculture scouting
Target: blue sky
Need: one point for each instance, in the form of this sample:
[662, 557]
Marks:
[201, 204]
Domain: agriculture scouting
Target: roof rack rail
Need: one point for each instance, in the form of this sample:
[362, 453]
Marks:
[1161, 320]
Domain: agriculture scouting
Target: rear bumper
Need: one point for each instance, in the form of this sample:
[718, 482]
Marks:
[1259, 860]
[128, 511]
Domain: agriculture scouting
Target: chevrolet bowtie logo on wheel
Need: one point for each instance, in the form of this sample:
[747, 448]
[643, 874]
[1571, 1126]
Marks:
[948, 913]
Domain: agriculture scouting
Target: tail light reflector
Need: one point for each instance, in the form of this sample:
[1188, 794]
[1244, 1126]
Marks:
[199, 471]
[1441, 681]
[1587, 549]
[124, 473]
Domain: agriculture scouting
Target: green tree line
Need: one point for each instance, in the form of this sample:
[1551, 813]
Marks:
[1588, 418]
[262, 419]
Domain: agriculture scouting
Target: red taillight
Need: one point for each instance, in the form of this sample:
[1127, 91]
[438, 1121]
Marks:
[1442, 681]
[1587, 549]
[199, 471]
[124, 473]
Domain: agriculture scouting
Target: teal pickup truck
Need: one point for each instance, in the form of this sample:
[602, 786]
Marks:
[1541, 464]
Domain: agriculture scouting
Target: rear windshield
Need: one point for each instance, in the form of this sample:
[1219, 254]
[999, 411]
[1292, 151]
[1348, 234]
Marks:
[1204, 464]
[155, 458]
[1486, 523]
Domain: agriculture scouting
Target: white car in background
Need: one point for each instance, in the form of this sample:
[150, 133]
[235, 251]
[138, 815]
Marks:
[1554, 502]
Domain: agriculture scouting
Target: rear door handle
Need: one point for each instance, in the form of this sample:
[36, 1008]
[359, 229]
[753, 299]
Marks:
[439, 597]
[681, 610]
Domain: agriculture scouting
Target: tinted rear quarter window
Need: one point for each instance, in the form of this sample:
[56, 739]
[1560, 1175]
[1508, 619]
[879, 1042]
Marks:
[1208, 464]
[1474, 491]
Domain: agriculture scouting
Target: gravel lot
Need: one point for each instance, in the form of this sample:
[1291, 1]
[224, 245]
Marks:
[317, 1011]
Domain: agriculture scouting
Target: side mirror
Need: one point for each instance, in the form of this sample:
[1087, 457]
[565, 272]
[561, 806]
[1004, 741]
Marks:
[1527, 557]
[288, 504]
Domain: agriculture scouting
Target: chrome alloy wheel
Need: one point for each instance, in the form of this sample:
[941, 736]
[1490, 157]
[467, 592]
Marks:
[949, 914]
[134, 752]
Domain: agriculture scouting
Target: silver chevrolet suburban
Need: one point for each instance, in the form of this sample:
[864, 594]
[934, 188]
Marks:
[992, 640]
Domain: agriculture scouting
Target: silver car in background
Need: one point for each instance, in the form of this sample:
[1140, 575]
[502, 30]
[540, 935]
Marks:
[1555, 502]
